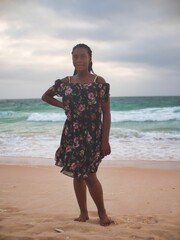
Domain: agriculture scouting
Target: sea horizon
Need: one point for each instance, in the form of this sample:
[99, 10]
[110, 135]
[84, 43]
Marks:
[114, 96]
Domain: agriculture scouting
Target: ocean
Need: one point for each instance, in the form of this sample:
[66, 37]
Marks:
[143, 128]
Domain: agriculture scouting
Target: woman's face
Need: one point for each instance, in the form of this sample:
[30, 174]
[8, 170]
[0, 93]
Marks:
[81, 59]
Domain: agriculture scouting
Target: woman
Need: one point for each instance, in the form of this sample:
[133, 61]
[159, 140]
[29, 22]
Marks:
[85, 137]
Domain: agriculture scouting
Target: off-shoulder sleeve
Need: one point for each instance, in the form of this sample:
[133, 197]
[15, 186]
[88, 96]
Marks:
[59, 88]
[104, 89]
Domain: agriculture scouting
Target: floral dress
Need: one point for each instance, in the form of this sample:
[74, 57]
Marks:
[80, 153]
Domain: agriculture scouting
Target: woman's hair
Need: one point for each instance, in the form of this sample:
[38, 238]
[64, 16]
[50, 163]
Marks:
[82, 45]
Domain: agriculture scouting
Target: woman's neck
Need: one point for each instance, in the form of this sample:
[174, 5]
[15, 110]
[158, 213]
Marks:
[82, 75]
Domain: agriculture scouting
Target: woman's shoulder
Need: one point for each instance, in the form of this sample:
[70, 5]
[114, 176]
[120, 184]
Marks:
[65, 79]
[100, 80]
[62, 80]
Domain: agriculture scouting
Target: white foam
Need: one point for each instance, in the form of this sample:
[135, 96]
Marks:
[47, 117]
[145, 149]
[147, 114]
[142, 115]
[122, 133]
[126, 144]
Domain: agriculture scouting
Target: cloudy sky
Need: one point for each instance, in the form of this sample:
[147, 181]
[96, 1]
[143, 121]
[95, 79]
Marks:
[135, 44]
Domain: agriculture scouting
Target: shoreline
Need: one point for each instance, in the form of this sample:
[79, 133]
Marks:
[39, 161]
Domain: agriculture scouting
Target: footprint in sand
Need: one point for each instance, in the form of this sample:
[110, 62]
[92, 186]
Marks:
[9, 210]
[150, 220]
[136, 226]
[135, 221]
[139, 237]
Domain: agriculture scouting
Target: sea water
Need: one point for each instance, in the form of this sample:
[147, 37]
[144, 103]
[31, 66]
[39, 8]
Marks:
[142, 128]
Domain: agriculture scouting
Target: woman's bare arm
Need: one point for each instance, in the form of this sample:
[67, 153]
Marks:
[48, 97]
[106, 124]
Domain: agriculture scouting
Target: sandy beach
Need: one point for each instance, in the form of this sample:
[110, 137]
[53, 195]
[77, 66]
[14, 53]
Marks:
[36, 201]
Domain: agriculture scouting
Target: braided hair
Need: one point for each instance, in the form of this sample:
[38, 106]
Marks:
[82, 45]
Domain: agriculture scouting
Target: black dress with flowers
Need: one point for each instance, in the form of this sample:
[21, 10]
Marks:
[79, 153]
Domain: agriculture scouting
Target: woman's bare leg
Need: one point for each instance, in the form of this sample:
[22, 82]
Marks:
[80, 191]
[96, 192]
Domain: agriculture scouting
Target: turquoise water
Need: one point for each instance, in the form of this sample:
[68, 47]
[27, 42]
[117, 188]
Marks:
[143, 128]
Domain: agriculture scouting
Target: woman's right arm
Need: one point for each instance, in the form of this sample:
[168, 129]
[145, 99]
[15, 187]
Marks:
[48, 97]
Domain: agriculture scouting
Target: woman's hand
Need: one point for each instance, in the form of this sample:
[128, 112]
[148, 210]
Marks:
[105, 148]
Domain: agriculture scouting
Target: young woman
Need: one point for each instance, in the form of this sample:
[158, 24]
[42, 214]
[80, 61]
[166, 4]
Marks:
[85, 137]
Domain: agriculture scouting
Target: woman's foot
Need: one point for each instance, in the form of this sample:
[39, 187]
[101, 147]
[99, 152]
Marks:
[83, 217]
[104, 219]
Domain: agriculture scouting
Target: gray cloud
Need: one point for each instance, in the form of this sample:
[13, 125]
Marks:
[135, 39]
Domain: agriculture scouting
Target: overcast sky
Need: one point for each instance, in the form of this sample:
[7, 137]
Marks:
[135, 44]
